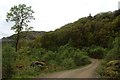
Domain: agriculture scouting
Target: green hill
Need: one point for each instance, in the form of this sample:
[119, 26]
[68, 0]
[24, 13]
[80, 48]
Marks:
[68, 47]
[97, 30]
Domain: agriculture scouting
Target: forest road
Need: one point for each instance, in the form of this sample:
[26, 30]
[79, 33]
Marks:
[84, 72]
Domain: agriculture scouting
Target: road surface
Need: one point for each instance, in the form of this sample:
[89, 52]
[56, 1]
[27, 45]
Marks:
[84, 72]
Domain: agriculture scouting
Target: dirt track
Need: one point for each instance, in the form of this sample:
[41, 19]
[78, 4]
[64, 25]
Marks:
[85, 72]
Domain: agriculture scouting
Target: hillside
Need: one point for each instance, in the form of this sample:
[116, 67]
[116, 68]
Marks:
[69, 47]
[97, 30]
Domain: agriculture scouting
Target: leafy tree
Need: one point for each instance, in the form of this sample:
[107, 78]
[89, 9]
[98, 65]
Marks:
[21, 16]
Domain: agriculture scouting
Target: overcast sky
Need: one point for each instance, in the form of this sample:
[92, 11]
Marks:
[52, 14]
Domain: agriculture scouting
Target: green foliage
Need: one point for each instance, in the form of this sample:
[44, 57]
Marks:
[8, 57]
[66, 51]
[21, 16]
[76, 57]
[80, 58]
[25, 57]
[64, 48]
[37, 53]
[28, 72]
[110, 69]
[49, 56]
[67, 57]
[101, 69]
[114, 53]
[68, 63]
[18, 63]
[97, 52]
[111, 62]
[53, 65]
[97, 30]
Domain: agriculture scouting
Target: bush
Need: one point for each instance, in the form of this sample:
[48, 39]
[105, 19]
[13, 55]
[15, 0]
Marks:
[76, 56]
[111, 63]
[27, 72]
[8, 58]
[65, 57]
[68, 63]
[109, 69]
[37, 53]
[49, 56]
[97, 52]
[101, 69]
[80, 58]
[25, 57]
[114, 53]
[53, 65]
[85, 60]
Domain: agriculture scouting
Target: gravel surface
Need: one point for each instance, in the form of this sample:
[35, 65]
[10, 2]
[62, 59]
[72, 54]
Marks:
[84, 72]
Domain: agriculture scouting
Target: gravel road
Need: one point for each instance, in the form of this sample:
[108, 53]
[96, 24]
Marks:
[84, 72]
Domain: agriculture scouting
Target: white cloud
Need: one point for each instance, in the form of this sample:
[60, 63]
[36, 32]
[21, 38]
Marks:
[52, 14]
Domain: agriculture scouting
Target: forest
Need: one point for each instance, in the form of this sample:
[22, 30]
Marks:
[69, 47]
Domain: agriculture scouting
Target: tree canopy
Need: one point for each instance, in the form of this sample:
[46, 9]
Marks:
[96, 30]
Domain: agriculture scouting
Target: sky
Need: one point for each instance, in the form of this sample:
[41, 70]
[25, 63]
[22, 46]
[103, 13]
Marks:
[52, 14]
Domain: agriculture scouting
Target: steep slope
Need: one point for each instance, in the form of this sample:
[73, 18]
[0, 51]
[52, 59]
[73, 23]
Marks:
[97, 30]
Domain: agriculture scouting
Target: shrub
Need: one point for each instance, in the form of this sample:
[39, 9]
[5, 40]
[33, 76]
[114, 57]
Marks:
[8, 57]
[101, 69]
[49, 56]
[85, 60]
[52, 65]
[97, 52]
[80, 58]
[68, 63]
[27, 72]
[37, 53]
[77, 58]
[109, 69]
[114, 53]
[111, 63]
[65, 57]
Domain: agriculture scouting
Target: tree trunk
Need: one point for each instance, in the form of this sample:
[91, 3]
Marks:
[18, 35]
[17, 41]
